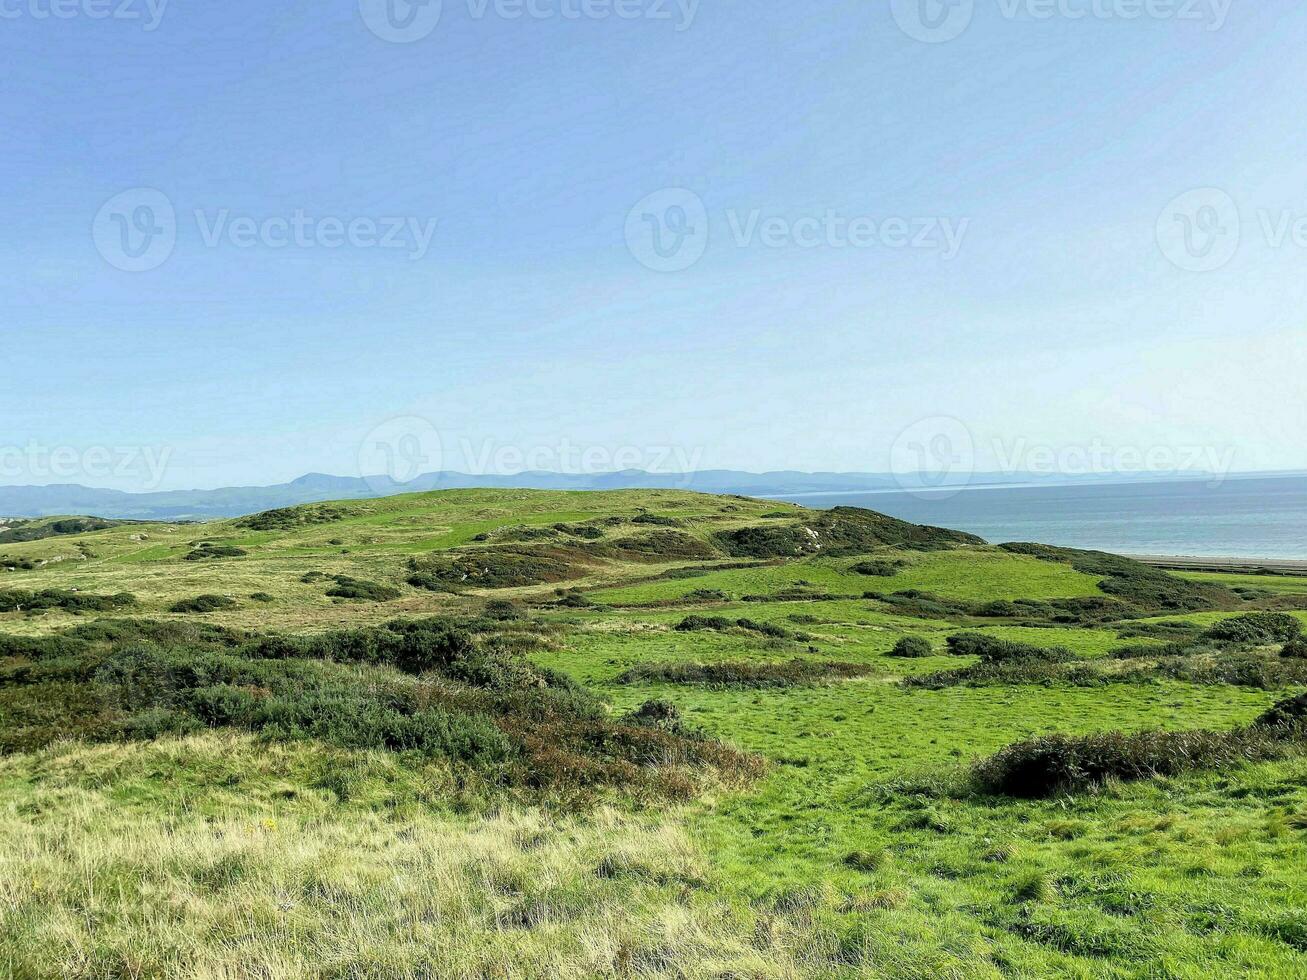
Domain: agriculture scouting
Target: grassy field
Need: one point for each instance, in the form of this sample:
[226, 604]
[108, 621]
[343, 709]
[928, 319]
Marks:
[168, 808]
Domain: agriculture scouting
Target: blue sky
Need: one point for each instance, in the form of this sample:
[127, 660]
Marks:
[1020, 282]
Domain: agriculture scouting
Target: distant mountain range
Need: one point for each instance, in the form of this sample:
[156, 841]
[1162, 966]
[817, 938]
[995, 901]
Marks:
[177, 505]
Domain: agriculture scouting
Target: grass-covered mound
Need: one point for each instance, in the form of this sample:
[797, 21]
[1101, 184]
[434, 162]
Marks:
[430, 687]
[16, 532]
[1146, 588]
[841, 531]
[290, 518]
[500, 567]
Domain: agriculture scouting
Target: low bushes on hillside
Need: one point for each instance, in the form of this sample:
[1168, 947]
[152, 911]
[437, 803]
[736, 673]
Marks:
[429, 686]
[1295, 648]
[691, 624]
[210, 552]
[1256, 628]
[203, 604]
[1044, 766]
[289, 518]
[490, 568]
[745, 673]
[353, 588]
[839, 531]
[16, 600]
[992, 649]
[16, 532]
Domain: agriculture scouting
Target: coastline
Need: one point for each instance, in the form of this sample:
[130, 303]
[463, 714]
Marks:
[1245, 566]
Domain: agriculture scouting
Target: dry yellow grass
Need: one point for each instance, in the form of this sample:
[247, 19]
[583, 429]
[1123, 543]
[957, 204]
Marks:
[98, 881]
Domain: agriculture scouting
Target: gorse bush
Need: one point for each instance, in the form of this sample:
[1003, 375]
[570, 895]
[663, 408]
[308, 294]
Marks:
[1256, 628]
[209, 552]
[991, 649]
[691, 624]
[1296, 648]
[1044, 766]
[745, 674]
[839, 531]
[353, 588]
[16, 599]
[913, 646]
[491, 568]
[428, 686]
[880, 567]
[203, 604]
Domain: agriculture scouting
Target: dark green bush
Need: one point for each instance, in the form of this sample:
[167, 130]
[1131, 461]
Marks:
[881, 567]
[210, 552]
[745, 674]
[912, 646]
[353, 588]
[1053, 763]
[503, 610]
[1295, 648]
[490, 568]
[203, 604]
[991, 649]
[1256, 628]
[70, 601]
[692, 624]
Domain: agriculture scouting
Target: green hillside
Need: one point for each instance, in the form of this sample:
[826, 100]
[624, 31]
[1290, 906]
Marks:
[508, 733]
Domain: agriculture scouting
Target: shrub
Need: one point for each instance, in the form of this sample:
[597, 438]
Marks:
[209, 552]
[16, 600]
[503, 610]
[261, 597]
[745, 674]
[1257, 628]
[991, 649]
[882, 567]
[1043, 766]
[490, 568]
[692, 624]
[1296, 648]
[203, 604]
[913, 646]
[353, 588]
[1290, 712]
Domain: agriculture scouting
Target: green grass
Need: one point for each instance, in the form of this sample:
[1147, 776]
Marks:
[861, 851]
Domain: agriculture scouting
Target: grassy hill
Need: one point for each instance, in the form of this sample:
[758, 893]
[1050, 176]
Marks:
[653, 733]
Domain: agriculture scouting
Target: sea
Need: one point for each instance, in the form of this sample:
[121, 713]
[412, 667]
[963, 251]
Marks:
[1235, 517]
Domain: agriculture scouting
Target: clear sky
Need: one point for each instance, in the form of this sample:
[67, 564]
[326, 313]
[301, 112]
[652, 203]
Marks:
[732, 234]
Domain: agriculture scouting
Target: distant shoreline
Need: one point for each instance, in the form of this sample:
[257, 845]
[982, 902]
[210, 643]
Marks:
[1251, 566]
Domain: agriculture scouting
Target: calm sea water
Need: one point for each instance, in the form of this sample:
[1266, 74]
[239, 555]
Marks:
[1264, 517]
